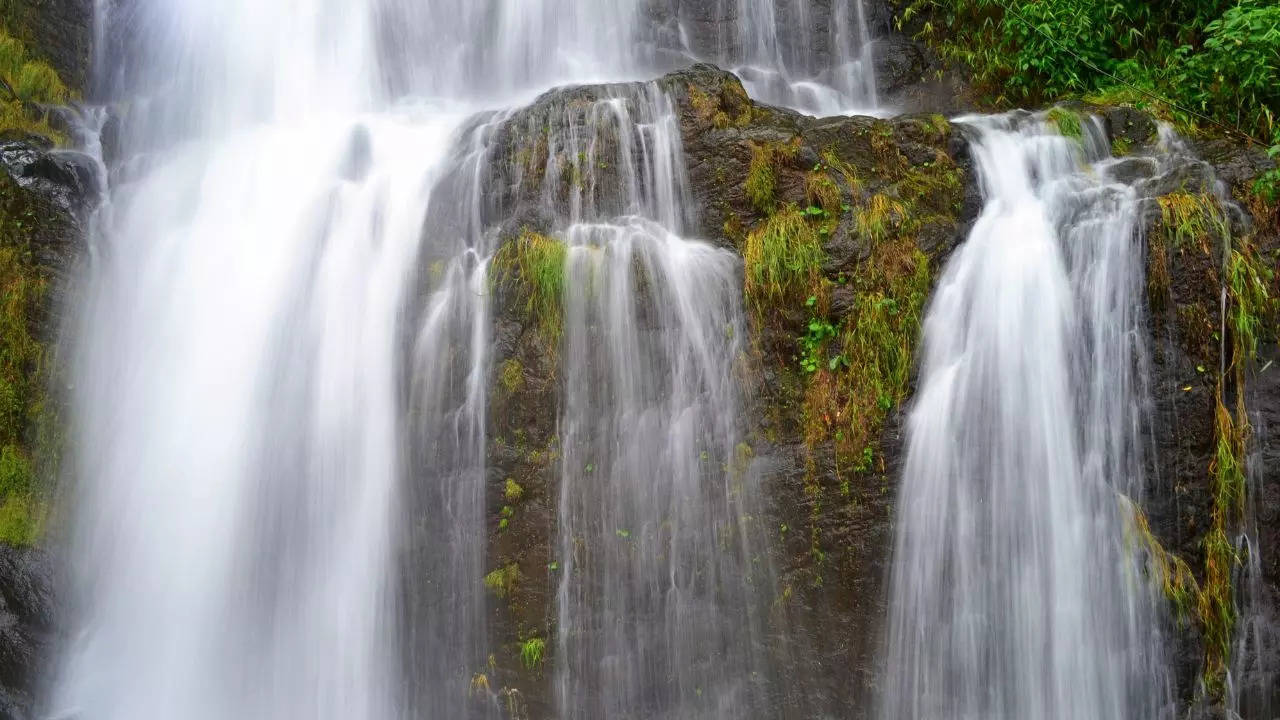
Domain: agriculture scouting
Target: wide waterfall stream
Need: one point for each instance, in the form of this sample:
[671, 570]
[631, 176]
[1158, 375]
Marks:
[1015, 594]
[292, 347]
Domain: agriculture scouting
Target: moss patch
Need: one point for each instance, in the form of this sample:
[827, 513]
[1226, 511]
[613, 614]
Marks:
[1066, 122]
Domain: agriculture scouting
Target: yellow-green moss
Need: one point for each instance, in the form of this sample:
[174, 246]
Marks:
[1174, 576]
[821, 191]
[1250, 308]
[502, 582]
[875, 219]
[534, 265]
[511, 376]
[512, 492]
[1158, 280]
[22, 389]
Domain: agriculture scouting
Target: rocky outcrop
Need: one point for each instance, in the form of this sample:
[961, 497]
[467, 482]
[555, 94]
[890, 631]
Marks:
[886, 201]
[45, 197]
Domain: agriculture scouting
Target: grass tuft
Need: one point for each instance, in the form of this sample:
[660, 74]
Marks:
[534, 264]
[532, 653]
[783, 258]
[502, 582]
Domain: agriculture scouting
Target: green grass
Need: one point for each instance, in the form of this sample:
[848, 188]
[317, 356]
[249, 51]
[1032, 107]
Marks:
[783, 258]
[1192, 219]
[761, 181]
[534, 264]
[34, 83]
[532, 653]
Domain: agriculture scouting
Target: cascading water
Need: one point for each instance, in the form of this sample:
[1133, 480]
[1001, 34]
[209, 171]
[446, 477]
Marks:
[1015, 593]
[781, 64]
[656, 611]
[281, 411]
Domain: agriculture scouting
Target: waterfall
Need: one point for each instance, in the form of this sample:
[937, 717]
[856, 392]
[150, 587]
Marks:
[281, 396]
[1018, 591]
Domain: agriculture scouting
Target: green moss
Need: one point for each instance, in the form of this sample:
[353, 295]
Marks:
[783, 258]
[502, 582]
[1066, 122]
[1121, 147]
[23, 376]
[511, 376]
[534, 265]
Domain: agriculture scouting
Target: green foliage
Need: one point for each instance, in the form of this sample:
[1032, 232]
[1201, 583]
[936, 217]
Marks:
[783, 257]
[851, 394]
[534, 265]
[1219, 58]
[532, 652]
[814, 342]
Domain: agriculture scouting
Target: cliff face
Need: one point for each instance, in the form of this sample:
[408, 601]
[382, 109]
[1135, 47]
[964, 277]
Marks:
[885, 201]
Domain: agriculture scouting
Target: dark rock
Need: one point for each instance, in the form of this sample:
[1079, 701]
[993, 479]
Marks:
[1130, 125]
[899, 63]
[26, 628]
[68, 177]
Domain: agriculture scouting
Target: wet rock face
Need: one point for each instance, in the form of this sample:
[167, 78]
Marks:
[26, 628]
[45, 196]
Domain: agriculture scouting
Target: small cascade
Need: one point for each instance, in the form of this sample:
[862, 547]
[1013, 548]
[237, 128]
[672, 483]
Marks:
[781, 62]
[656, 605]
[1018, 591]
